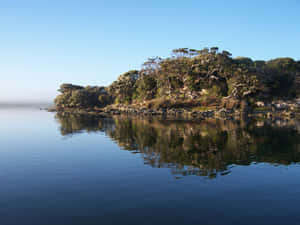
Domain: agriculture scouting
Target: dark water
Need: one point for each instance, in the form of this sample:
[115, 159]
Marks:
[64, 169]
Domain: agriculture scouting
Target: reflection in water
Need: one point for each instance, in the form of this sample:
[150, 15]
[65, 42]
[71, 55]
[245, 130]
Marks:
[205, 148]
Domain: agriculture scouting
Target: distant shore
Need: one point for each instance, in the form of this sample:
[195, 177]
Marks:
[41, 105]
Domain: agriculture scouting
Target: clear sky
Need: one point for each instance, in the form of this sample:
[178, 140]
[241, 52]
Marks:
[44, 43]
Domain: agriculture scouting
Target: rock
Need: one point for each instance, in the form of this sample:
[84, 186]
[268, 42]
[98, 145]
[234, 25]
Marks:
[260, 104]
[281, 106]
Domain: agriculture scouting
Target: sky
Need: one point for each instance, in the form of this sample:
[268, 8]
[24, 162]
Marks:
[44, 43]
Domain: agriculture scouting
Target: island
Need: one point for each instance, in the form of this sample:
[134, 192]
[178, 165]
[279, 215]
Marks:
[196, 83]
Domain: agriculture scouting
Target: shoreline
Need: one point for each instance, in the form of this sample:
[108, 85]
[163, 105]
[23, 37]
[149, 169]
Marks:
[180, 113]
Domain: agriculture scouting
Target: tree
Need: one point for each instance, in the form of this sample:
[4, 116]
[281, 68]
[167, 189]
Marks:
[181, 52]
[214, 50]
[226, 53]
[151, 66]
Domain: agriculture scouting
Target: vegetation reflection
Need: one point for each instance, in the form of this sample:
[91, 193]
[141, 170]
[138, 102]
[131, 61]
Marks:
[206, 148]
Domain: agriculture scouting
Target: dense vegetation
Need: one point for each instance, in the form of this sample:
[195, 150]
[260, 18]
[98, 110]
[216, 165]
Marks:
[193, 77]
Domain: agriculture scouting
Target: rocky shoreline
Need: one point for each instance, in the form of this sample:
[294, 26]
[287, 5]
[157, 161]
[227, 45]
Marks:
[222, 113]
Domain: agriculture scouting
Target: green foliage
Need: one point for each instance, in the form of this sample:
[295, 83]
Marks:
[282, 64]
[146, 87]
[244, 61]
[122, 89]
[73, 96]
[259, 63]
[191, 74]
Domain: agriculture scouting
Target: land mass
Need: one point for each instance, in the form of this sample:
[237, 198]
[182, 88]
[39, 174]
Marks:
[199, 83]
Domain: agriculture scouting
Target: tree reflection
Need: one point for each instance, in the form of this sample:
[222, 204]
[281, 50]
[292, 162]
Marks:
[204, 148]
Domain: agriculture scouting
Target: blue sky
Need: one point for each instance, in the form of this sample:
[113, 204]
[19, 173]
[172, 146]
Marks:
[46, 43]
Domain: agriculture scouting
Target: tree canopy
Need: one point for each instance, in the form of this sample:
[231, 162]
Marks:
[191, 74]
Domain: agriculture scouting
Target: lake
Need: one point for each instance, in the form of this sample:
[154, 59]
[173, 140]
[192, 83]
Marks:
[67, 169]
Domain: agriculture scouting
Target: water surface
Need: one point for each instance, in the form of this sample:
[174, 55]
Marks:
[66, 169]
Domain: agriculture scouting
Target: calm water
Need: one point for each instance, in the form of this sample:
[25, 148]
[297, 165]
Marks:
[62, 169]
